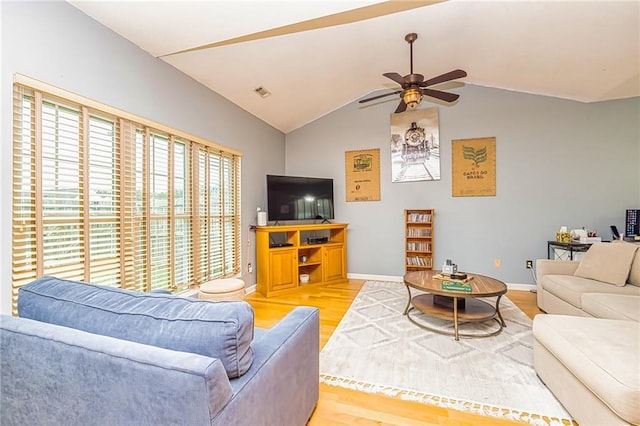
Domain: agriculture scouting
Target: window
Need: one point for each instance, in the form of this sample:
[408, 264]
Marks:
[102, 196]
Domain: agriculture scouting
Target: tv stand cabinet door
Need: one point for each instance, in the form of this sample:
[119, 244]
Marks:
[283, 266]
[334, 263]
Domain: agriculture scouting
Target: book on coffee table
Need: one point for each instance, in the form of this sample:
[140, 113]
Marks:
[448, 278]
[456, 286]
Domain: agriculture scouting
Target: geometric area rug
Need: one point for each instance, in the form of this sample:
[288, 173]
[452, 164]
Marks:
[376, 349]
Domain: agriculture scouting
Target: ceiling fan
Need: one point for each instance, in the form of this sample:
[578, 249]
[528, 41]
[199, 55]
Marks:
[414, 87]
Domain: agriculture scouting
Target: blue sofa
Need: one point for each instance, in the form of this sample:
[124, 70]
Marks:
[87, 354]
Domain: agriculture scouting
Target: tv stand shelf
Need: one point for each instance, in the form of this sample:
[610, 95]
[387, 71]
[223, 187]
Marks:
[280, 266]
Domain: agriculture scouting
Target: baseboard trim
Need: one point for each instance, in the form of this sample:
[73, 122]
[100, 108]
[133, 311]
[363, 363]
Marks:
[523, 287]
[374, 277]
[510, 286]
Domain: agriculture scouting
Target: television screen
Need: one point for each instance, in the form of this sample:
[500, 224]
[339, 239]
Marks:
[299, 198]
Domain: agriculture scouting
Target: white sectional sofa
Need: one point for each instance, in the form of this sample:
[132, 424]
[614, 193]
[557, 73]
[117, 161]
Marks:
[587, 346]
[606, 269]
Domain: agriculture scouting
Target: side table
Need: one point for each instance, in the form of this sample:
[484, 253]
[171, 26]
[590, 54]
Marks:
[572, 247]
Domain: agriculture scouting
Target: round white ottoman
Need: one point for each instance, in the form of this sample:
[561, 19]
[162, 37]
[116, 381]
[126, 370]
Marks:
[222, 289]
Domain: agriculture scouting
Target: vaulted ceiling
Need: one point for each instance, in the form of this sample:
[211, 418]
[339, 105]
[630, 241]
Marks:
[314, 56]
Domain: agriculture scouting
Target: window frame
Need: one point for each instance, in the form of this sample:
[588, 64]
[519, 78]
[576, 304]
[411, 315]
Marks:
[133, 209]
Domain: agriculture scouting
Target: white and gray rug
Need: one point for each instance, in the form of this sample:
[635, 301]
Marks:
[377, 349]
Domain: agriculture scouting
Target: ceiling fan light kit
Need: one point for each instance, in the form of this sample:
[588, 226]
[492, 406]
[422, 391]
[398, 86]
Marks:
[412, 97]
[413, 86]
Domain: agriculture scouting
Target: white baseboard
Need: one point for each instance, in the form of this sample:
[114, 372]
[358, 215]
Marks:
[374, 277]
[523, 287]
[510, 286]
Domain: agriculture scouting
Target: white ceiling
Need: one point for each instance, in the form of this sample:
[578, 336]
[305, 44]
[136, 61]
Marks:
[313, 62]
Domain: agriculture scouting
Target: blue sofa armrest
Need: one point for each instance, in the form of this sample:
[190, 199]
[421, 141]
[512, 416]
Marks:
[282, 385]
[50, 374]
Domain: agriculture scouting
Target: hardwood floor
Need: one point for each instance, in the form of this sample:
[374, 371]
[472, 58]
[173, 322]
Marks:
[340, 406]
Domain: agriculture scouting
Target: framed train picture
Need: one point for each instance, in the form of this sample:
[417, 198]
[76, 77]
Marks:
[473, 167]
[415, 146]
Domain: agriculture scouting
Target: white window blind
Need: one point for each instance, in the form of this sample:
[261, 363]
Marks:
[102, 198]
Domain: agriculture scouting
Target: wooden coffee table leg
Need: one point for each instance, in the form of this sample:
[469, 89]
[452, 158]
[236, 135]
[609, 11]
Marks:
[455, 317]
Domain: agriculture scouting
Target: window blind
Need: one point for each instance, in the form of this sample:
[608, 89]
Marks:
[107, 199]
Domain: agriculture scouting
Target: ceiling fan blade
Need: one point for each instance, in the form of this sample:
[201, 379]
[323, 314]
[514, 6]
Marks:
[379, 96]
[395, 77]
[451, 75]
[444, 96]
[402, 107]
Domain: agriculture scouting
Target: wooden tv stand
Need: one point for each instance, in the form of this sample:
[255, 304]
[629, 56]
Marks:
[280, 250]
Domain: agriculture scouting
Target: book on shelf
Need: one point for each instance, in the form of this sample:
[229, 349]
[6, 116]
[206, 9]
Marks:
[419, 261]
[456, 286]
[412, 246]
[418, 232]
[419, 218]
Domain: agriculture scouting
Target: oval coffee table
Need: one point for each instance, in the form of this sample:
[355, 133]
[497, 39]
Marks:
[457, 306]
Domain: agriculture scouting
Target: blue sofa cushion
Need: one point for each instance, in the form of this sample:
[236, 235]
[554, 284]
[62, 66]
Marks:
[222, 330]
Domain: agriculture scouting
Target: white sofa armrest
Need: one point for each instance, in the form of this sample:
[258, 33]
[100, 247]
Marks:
[551, 267]
[555, 267]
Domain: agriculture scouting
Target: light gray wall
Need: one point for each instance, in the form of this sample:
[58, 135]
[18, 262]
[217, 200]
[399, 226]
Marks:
[539, 186]
[558, 163]
[56, 43]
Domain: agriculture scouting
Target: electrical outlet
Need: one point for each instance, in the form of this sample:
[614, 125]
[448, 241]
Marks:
[250, 268]
[529, 264]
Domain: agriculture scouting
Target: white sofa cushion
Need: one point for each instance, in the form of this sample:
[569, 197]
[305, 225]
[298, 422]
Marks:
[570, 288]
[607, 262]
[612, 306]
[634, 274]
[603, 354]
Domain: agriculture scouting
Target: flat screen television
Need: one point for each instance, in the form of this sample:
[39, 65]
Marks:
[299, 198]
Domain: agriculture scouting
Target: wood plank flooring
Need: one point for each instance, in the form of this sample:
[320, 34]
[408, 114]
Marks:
[340, 406]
